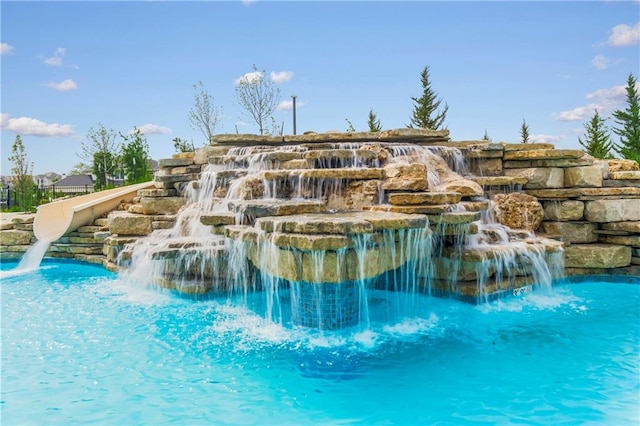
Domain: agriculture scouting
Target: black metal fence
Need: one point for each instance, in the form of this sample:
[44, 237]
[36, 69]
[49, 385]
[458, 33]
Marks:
[11, 199]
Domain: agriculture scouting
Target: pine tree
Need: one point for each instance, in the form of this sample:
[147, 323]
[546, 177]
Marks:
[486, 137]
[373, 122]
[628, 121]
[524, 132]
[597, 142]
[425, 109]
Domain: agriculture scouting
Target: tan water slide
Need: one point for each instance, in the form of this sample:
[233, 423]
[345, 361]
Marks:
[55, 219]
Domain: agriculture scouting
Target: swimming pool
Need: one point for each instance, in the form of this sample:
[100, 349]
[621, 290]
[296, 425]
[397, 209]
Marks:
[79, 347]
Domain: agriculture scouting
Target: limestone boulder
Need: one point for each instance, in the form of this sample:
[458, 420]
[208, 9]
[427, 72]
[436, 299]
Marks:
[562, 211]
[542, 154]
[539, 177]
[487, 166]
[518, 210]
[623, 165]
[597, 256]
[250, 188]
[612, 210]
[633, 227]
[161, 205]
[355, 195]
[573, 232]
[202, 154]
[405, 177]
[604, 167]
[419, 198]
[587, 176]
[24, 218]
[164, 163]
[130, 224]
[13, 237]
[465, 187]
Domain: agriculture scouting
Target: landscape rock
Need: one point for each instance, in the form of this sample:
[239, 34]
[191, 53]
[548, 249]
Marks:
[588, 176]
[539, 177]
[612, 210]
[518, 210]
[563, 211]
[597, 256]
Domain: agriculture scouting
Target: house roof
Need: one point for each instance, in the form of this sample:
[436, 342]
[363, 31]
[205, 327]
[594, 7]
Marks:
[75, 180]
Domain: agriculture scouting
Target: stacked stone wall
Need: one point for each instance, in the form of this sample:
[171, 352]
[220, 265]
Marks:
[592, 205]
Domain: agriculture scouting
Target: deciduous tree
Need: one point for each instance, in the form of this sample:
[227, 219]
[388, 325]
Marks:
[101, 150]
[258, 96]
[21, 179]
[425, 108]
[135, 157]
[183, 145]
[628, 123]
[597, 139]
[205, 116]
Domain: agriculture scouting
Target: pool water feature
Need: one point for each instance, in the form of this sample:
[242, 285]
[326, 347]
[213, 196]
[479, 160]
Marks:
[309, 222]
[81, 346]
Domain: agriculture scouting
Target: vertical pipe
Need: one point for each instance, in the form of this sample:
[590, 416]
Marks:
[293, 97]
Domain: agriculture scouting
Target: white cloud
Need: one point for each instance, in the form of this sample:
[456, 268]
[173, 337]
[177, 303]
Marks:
[624, 35]
[288, 105]
[248, 2]
[33, 126]
[56, 59]
[152, 129]
[603, 100]
[281, 76]
[601, 62]
[248, 77]
[63, 86]
[542, 138]
[5, 48]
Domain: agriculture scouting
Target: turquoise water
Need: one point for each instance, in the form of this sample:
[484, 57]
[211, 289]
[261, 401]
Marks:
[81, 347]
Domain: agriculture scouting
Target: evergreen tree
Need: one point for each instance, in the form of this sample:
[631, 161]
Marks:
[597, 142]
[486, 137]
[425, 109]
[373, 122]
[524, 132]
[628, 121]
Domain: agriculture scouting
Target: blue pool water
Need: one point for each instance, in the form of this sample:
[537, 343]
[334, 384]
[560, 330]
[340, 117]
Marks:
[81, 347]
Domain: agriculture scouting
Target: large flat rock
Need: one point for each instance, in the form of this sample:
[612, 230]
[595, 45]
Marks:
[341, 223]
[542, 154]
[341, 174]
[274, 207]
[633, 227]
[597, 256]
[421, 198]
[612, 210]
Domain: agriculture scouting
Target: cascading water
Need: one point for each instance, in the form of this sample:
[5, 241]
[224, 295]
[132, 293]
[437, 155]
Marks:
[324, 280]
[30, 261]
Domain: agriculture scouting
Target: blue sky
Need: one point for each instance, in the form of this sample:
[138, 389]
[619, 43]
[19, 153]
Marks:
[67, 66]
